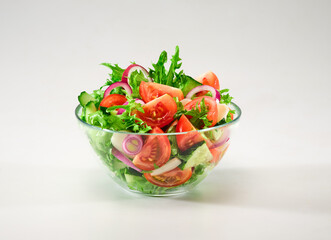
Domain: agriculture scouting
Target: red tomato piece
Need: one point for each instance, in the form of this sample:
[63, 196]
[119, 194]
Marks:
[158, 112]
[149, 91]
[210, 104]
[231, 114]
[172, 178]
[113, 100]
[216, 152]
[185, 141]
[156, 150]
[210, 79]
[224, 151]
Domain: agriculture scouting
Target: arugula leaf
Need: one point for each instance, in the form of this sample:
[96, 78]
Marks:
[159, 72]
[170, 77]
[172, 70]
[225, 98]
[198, 113]
[180, 109]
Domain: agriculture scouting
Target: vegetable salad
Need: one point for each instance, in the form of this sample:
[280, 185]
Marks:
[158, 101]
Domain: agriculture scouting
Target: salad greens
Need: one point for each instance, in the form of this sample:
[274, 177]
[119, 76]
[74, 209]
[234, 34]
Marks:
[172, 77]
[107, 118]
[198, 113]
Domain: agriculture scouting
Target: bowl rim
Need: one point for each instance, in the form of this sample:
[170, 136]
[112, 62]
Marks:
[232, 104]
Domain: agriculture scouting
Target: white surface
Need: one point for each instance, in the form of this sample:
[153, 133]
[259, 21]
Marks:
[275, 56]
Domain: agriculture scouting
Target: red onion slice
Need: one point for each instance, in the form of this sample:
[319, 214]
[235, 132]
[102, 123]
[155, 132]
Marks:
[132, 144]
[124, 159]
[126, 87]
[139, 101]
[223, 139]
[215, 94]
[133, 67]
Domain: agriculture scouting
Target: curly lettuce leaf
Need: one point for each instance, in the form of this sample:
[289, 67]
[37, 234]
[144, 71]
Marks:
[134, 81]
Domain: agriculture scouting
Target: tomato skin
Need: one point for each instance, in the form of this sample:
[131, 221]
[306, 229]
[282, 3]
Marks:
[158, 112]
[149, 91]
[216, 152]
[172, 178]
[211, 105]
[113, 100]
[185, 141]
[231, 114]
[156, 150]
[209, 78]
[224, 151]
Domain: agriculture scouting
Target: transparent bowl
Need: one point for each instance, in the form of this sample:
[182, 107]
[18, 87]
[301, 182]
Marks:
[201, 158]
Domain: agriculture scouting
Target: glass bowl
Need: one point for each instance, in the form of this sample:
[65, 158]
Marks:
[197, 158]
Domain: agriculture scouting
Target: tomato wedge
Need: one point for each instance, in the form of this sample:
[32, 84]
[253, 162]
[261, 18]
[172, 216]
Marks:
[216, 152]
[210, 79]
[158, 112]
[231, 114]
[172, 178]
[156, 151]
[113, 100]
[224, 151]
[211, 105]
[185, 141]
[149, 91]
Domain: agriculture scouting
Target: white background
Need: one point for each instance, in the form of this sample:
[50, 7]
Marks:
[275, 56]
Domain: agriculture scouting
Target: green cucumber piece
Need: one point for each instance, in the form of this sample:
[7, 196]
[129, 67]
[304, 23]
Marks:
[90, 108]
[132, 179]
[200, 155]
[189, 84]
[84, 98]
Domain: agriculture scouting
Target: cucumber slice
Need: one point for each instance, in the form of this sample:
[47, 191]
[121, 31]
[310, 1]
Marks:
[132, 179]
[84, 98]
[90, 108]
[200, 155]
[189, 84]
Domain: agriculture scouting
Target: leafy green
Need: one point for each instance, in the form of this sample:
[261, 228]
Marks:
[198, 113]
[170, 77]
[115, 76]
[117, 72]
[228, 117]
[225, 98]
[98, 96]
[159, 72]
[180, 109]
[142, 185]
[198, 175]
[126, 121]
[134, 81]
